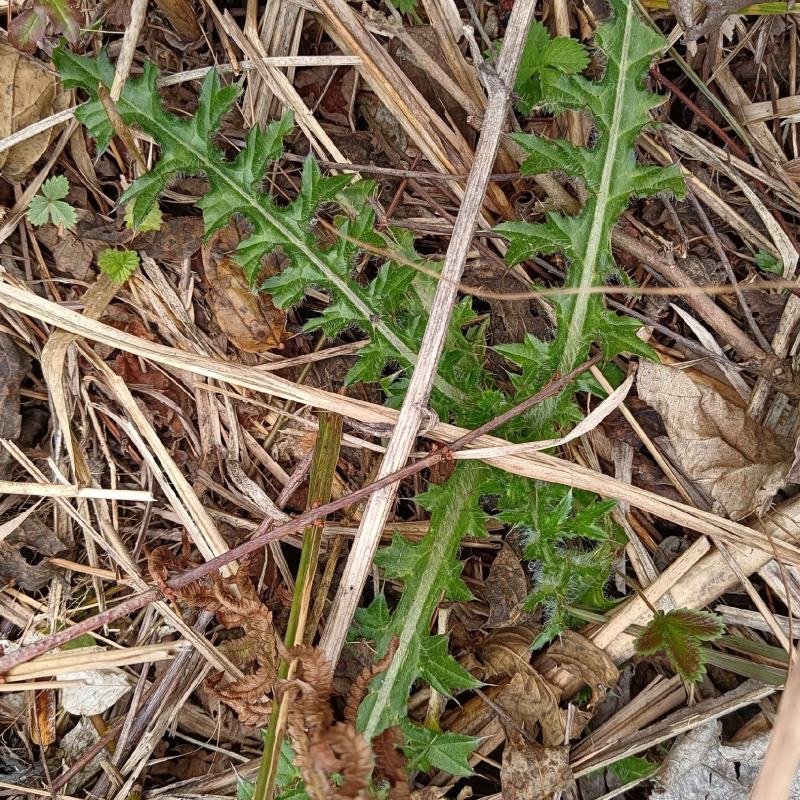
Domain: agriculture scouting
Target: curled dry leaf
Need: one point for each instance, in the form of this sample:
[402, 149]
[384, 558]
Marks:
[506, 650]
[359, 689]
[531, 698]
[506, 588]
[33, 535]
[527, 698]
[28, 93]
[532, 772]
[248, 319]
[236, 605]
[530, 701]
[738, 463]
[100, 690]
[699, 765]
[575, 656]
[390, 763]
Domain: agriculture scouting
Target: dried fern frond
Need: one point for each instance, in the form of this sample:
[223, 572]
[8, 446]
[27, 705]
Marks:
[390, 762]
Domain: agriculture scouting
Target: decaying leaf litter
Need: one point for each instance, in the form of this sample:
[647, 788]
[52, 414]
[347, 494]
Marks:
[185, 290]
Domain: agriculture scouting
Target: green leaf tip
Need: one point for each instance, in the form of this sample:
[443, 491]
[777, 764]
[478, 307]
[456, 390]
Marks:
[620, 107]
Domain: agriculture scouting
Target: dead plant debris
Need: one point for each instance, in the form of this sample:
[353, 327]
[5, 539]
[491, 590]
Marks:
[265, 197]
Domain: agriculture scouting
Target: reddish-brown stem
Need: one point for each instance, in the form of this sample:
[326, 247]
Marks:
[735, 147]
[263, 536]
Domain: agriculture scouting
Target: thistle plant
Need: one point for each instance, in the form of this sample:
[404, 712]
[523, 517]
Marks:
[569, 537]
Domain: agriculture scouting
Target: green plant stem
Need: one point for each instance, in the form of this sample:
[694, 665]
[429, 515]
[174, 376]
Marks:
[422, 594]
[323, 468]
[289, 406]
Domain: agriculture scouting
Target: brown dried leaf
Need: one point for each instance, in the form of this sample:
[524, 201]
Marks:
[530, 701]
[322, 747]
[734, 460]
[236, 604]
[247, 696]
[533, 772]
[28, 93]
[178, 238]
[717, 11]
[248, 319]
[42, 716]
[73, 256]
[13, 368]
[183, 18]
[355, 759]
[34, 535]
[506, 651]
[573, 655]
[506, 588]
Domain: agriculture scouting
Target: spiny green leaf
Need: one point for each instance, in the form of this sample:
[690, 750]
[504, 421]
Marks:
[454, 514]
[373, 621]
[427, 749]
[440, 669]
[119, 265]
[678, 633]
[617, 335]
[620, 107]
[235, 190]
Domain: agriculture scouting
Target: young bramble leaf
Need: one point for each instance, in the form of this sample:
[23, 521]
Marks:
[119, 265]
[26, 30]
[49, 206]
[678, 633]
